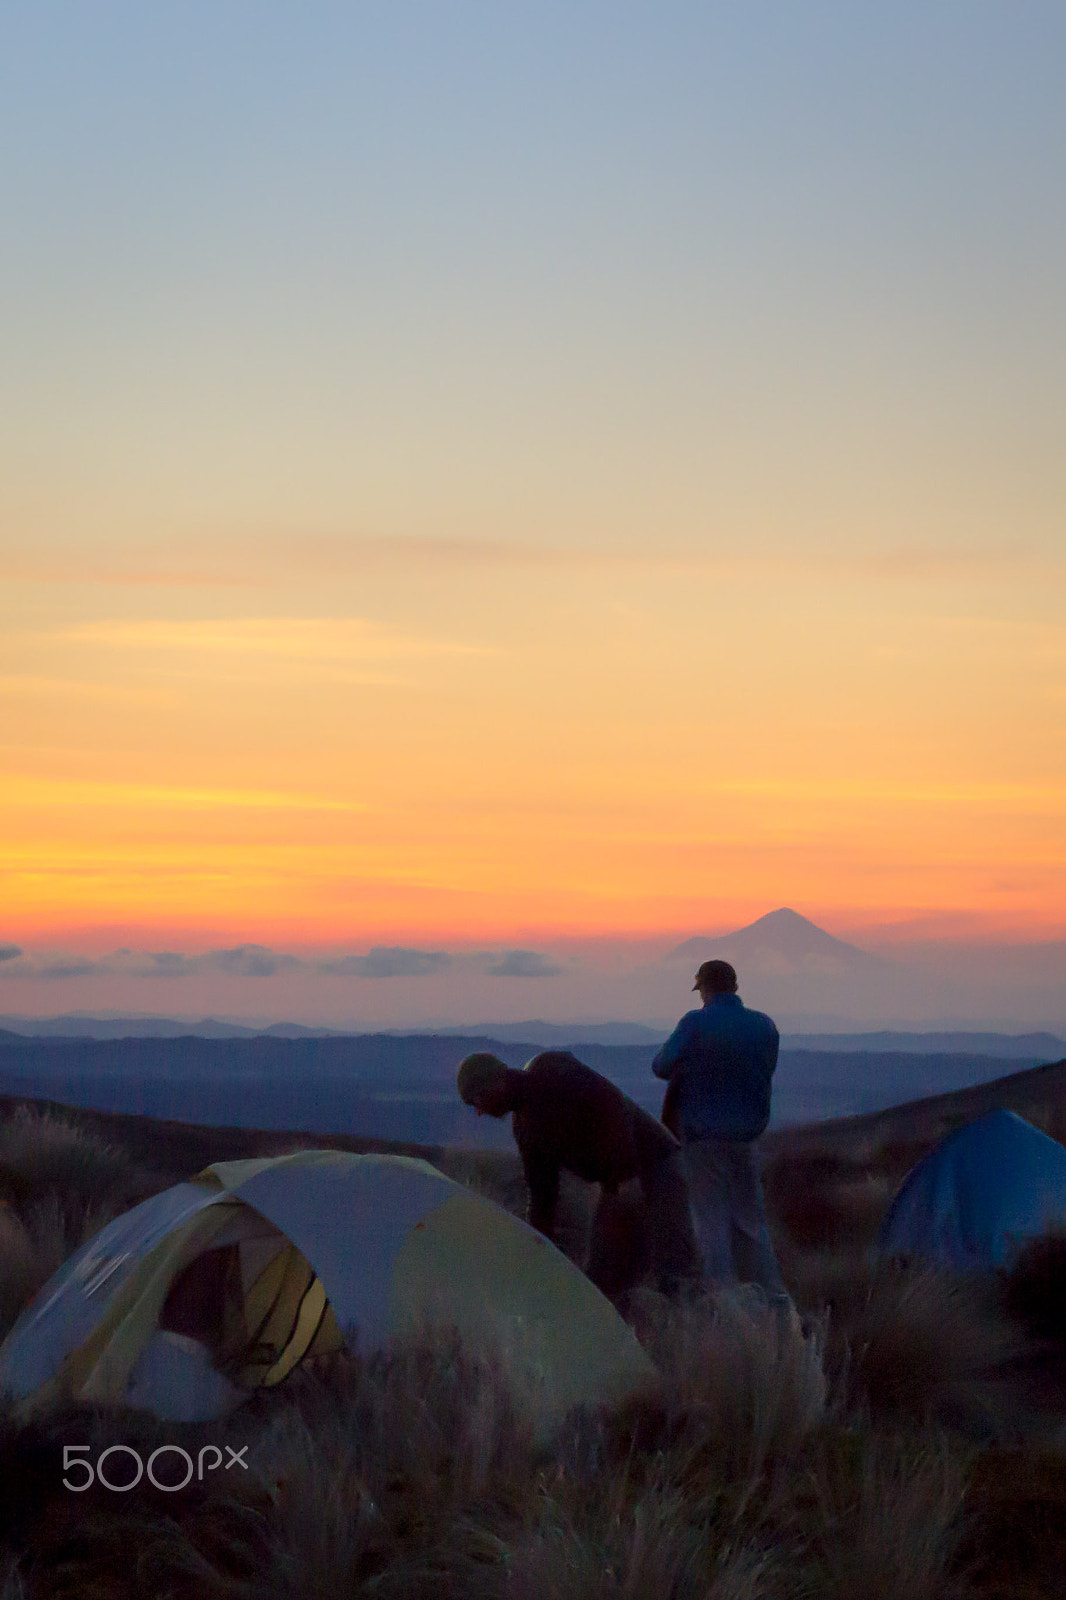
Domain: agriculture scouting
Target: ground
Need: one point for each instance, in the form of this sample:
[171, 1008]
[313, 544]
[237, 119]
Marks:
[908, 1440]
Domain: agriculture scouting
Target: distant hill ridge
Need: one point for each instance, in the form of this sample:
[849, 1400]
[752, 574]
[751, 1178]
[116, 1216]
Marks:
[535, 1033]
[398, 1086]
[1038, 1094]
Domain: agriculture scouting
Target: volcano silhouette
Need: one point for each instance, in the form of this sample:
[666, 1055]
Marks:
[783, 937]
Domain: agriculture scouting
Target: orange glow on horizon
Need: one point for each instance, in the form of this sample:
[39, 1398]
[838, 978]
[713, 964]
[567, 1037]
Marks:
[587, 753]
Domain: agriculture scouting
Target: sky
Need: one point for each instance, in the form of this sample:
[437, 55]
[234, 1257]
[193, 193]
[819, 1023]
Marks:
[481, 477]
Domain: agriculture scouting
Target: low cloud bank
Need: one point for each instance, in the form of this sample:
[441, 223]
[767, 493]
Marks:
[259, 961]
[523, 964]
[387, 961]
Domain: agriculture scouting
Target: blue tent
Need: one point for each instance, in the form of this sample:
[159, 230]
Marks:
[976, 1199]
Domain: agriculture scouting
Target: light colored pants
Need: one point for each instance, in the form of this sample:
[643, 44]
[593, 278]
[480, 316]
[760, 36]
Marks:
[725, 1191]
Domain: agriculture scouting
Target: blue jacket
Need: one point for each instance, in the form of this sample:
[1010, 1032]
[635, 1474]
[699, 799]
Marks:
[723, 1057]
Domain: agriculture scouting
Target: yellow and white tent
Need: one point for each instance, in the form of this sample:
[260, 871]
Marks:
[221, 1286]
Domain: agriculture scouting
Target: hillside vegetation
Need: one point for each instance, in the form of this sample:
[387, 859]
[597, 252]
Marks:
[907, 1441]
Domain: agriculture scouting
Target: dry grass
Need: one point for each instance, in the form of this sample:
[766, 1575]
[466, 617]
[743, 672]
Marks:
[928, 1347]
[41, 1153]
[11, 1585]
[874, 1453]
[822, 1200]
[914, 1344]
[888, 1516]
[622, 1547]
[741, 1389]
[417, 1474]
[60, 1184]
[34, 1245]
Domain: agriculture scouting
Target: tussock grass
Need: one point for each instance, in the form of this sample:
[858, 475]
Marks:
[887, 1517]
[1014, 1539]
[741, 1388]
[43, 1155]
[417, 1473]
[400, 1476]
[930, 1347]
[822, 1199]
[877, 1451]
[23, 1268]
[913, 1344]
[647, 1548]
[34, 1245]
[59, 1184]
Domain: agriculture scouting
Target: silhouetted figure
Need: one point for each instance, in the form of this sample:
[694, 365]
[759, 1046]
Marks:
[720, 1061]
[567, 1116]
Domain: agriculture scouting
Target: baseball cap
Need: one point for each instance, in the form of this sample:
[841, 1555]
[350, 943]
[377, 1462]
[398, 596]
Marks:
[716, 975]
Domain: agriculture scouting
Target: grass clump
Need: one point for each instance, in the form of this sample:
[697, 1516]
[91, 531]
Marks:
[59, 1185]
[34, 1245]
[887, 1516]
[43, 1154]
[927, 1346]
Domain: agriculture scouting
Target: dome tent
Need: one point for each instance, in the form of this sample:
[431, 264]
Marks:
[979, 1196]
[223, 1285]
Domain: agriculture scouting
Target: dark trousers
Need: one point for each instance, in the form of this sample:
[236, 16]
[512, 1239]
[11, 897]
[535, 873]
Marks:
[652, 1229]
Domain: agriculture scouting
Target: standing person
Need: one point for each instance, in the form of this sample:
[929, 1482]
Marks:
[568, 1116]
[719, 1061]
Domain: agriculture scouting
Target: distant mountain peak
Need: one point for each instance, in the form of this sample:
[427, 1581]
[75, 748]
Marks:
[783, 918]
[783, 932]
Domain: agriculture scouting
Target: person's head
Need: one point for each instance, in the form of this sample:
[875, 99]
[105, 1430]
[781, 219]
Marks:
[715, 977]
[483, 1084]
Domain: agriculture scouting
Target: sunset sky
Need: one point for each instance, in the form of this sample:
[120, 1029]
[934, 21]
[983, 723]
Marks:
[479, 474]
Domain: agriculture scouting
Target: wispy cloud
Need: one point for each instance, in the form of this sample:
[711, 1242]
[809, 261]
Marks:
[60, 967]
[890, 790]
[903, 562]
[318, 639]
[232, 562]
[236, 961]
[9, 952]
[30, 791]
[83, 689]
[116, 567]
[908, 562]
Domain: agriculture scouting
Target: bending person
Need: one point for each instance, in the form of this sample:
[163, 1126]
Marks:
[568, 1117]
